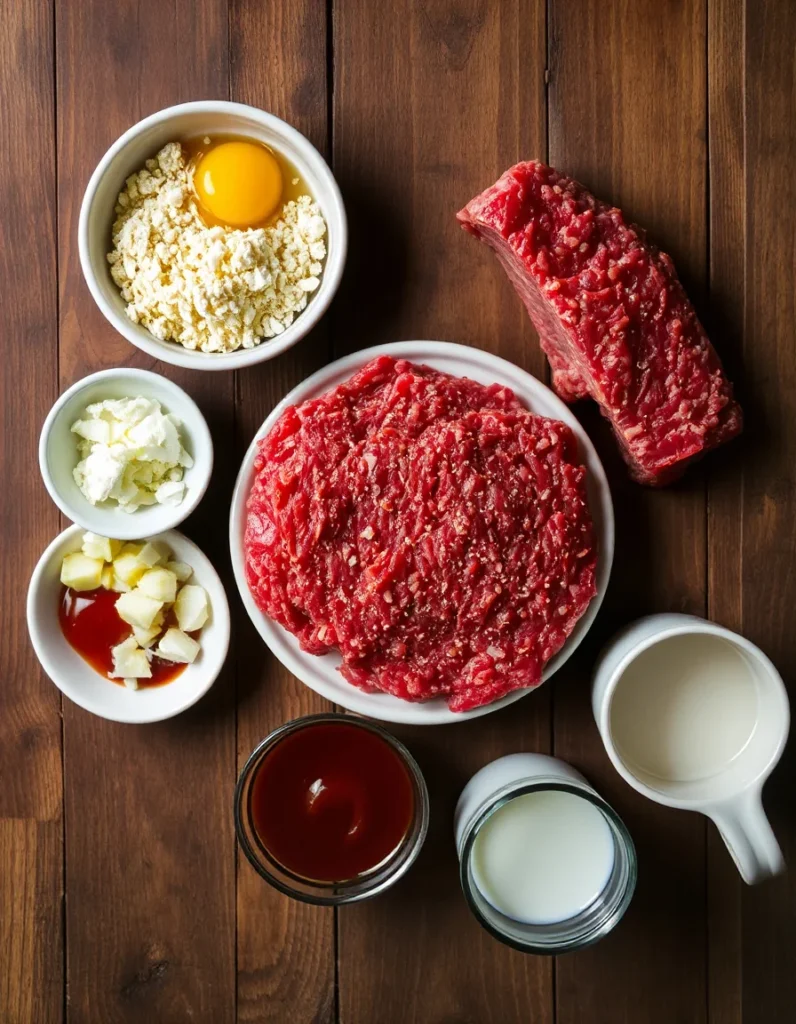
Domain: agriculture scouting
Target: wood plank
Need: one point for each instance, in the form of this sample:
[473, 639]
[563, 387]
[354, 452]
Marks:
[769, 491]
[627, 113]
[31, 937]
[31, 795]
[149, 865]
[285, 949]
[724, 322]
[431, 104]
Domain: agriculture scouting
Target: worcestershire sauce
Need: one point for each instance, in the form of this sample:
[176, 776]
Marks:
[331, 802]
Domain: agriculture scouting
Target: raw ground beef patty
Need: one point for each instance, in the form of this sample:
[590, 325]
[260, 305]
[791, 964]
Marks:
[612, 318]
[429, 528]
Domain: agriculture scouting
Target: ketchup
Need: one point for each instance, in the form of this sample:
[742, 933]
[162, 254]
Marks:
[91, 624]
[332, 801]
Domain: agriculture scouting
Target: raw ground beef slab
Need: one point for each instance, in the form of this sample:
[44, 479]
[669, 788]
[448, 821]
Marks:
[432, 530]
[612, 318]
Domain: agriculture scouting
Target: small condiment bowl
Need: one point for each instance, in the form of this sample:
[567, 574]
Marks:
[75, 678]
[58, 454]
[329, 894]
[129, 154]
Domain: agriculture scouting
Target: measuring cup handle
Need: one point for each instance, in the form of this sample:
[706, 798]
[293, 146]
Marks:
[748, 836]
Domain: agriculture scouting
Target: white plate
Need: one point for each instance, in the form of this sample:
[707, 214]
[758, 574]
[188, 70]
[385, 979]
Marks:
[84, 685]
[320, 673]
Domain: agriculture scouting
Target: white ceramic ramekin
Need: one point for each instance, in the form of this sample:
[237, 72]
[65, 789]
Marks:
[58, 454]
[128, 155]
[75, 678]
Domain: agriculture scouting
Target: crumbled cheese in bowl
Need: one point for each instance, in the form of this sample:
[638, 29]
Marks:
[131, 453]
[215, 289]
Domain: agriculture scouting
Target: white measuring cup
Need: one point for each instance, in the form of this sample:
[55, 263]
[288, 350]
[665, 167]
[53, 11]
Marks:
[696, 717]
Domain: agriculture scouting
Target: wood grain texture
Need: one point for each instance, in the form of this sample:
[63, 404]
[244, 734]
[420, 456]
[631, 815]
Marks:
[769, 485]
[149, 843]
[31, 792]
[627, 109]
[285, 949]
[432, 101]
[31, 935]
[680, 111]
[724, 323]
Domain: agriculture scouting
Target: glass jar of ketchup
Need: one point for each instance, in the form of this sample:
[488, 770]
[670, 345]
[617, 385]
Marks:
[331, 809]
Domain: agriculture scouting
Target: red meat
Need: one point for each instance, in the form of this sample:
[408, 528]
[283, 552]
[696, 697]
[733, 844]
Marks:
[430, 529]
[612, 318]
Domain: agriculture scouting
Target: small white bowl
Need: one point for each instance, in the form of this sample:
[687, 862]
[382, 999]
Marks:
[128, 155]
[84, 685]
[321, 673]
[58, 453]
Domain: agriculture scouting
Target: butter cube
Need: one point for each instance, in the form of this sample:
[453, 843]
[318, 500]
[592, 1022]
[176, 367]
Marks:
[132, 684]
[160, 584]
[181, 570]
[80, 572]
[129, 661]
[177, 646]
[191, 608]
[138, 610]
[97, 547]
[129, 568]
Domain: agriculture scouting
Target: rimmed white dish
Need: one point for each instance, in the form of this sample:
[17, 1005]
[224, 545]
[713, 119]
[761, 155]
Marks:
[75, 678]
[320, 673]
[128, 155]
[58, 454]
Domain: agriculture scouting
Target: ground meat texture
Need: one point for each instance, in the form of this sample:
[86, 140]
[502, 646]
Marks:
[429, 528]
[612, 318]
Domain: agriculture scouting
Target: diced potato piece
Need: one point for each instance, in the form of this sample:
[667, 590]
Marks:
[129, 568]
[181, 570]
[97, 547]
[131, 548]
[191, 608]
[152, 553]
[160, 584]
[146, 637]
[132, 684]
[80, 572]
[129, 661]
[138, 609]
[116, 547]
[119, 585]
[177, 646]
[107, 577]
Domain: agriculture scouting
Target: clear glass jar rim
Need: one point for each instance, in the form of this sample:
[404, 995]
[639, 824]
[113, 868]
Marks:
[415, 837]
[535, 784]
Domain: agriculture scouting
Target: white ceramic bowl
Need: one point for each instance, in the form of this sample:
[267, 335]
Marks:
[85, 686]
[128, 155]
[320, 673]
[58, 453]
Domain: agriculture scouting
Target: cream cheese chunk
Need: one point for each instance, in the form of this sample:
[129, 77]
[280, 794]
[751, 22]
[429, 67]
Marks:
[130, 453]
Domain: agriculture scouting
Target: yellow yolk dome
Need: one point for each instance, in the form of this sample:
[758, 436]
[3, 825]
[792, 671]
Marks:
[239, 183]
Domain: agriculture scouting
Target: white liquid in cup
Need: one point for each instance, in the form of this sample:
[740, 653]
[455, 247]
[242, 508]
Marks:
[543, 857]
[684, 709]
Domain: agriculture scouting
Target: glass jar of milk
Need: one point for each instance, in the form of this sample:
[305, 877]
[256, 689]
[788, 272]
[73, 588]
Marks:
[546, 865]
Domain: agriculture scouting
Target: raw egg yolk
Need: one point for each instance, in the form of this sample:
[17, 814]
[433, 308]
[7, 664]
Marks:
[239, 183]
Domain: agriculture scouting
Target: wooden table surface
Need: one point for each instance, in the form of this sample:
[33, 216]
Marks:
[122, 895]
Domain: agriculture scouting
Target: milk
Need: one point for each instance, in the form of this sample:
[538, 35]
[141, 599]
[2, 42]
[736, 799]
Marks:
[543, 857]
[684, 708]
